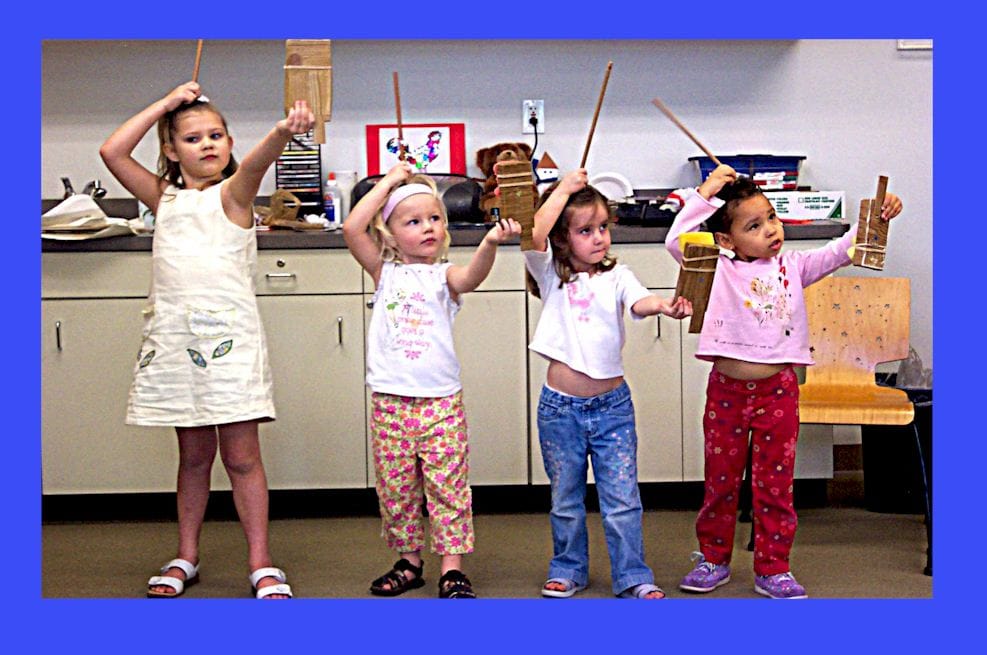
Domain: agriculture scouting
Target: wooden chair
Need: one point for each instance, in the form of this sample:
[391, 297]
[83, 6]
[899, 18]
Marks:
[856, 323]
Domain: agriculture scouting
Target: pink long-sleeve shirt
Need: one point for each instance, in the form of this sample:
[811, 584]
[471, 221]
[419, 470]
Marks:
[756, 310]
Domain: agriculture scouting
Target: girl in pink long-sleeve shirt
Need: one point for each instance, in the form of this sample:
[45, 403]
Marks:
[754, 332]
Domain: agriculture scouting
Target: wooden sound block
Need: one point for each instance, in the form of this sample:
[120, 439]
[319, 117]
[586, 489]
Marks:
[696, 280]
[516, 182]
[872, 231]
[308, 76]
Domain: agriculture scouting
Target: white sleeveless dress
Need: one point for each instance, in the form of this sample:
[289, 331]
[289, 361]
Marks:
[203, 358]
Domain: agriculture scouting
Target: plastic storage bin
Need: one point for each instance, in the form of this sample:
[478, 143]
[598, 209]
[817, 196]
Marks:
[770, 172]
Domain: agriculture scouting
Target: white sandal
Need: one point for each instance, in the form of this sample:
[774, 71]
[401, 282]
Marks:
[190, 570]
[641, 592]
[570, 588]
[269, 572]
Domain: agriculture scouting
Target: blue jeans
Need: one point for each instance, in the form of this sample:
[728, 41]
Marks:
[601, 427]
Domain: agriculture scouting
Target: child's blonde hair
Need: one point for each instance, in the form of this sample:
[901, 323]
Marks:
[384, 238]
[558, 236]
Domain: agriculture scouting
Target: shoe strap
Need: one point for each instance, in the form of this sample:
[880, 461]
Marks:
[187, 567]
[404, 565]
[270, 590]
[267, 572]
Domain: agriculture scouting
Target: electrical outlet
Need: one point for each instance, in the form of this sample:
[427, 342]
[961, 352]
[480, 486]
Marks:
[529, 109]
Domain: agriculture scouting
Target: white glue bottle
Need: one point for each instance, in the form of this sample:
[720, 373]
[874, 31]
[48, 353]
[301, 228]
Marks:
[346, 180]
[331, 201]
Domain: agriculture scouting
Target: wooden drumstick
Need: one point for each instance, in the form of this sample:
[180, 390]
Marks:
[596, 114]
[658, 103]
[397, 103]
[198, 58]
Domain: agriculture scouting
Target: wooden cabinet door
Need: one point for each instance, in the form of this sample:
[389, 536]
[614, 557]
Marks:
[88, 351]
[315, 344]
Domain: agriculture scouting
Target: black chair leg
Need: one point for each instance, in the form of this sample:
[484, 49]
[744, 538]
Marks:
[746, 499]
[927, 497]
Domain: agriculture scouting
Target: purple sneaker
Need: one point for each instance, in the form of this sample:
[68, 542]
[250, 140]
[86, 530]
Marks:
[781, 586]
[706, 576]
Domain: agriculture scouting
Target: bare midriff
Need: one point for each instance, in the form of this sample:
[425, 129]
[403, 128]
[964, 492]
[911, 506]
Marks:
[741, 370]
[562, 378]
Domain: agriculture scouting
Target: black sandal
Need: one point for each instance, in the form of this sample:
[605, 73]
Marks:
[397, 581]
[454, 584]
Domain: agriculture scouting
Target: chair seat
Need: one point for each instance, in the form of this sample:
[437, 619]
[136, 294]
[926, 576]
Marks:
[854, 405]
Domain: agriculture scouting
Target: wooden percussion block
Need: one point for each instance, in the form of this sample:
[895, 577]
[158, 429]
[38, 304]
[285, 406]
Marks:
[696, 279]
[308, 76]
[872, 231]
[516, 182]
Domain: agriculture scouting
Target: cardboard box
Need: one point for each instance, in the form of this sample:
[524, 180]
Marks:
[807, 205]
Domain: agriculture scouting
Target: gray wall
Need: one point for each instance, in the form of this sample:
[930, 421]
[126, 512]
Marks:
[855, 108]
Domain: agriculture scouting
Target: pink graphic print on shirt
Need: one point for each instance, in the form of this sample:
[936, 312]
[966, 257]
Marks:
[410, 320]
[769, 298]
[580, 303]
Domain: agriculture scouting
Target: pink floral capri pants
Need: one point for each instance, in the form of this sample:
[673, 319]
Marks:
[420, 449]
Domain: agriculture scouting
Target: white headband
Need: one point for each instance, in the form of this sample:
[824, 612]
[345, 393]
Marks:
[400, 194]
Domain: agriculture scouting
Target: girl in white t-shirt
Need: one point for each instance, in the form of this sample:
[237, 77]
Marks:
[585, 408]
[398, 233]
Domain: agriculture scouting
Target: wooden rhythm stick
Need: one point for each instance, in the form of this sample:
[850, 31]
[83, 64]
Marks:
[516, 197]
[872, 230]
[660, 105]
[198, 58]
[696, 276]
[596, 114]
[397, 103]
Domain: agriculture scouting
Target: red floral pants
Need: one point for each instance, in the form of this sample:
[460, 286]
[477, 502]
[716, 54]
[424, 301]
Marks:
[765, 412]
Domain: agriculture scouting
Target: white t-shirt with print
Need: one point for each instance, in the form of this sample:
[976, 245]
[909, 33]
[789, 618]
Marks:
[582, 323]
[409, 344]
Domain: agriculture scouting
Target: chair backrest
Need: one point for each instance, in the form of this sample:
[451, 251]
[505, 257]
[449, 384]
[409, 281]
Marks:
[856, 323]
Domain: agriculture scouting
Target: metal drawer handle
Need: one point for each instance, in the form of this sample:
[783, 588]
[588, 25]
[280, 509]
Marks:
[58, 335]
[339, 329]
[658, 323]
[270, 276]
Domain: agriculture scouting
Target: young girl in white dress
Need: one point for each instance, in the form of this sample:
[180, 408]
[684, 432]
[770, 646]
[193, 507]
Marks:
[203, 366]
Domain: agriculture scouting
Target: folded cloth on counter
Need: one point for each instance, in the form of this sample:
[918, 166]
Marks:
[79, 217]
[105, 227]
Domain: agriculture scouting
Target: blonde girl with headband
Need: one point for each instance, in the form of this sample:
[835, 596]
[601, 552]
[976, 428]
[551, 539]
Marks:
[398, 232]
[203, 365]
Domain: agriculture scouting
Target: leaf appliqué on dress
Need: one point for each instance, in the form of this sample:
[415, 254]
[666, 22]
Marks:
[146, 359]
[223, 348]
[197, 358]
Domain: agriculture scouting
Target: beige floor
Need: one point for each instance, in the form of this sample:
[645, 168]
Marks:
[840, 552]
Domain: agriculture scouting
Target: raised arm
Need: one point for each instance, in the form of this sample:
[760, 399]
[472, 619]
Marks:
[699, 205]
[549, 212]
[241, 189]
[818, 263]
[463, 279]
[361, 245]
[117, 151]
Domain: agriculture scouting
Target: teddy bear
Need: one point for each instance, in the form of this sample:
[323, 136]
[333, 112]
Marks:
[485, 160]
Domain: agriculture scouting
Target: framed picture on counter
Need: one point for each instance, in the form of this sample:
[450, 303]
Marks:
[436, 148]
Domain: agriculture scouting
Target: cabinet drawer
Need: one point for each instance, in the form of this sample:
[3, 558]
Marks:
[281, 272]
[95, 274]
[650, 262]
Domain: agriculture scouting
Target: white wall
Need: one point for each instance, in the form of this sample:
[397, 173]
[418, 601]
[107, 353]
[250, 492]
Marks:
[854, 108]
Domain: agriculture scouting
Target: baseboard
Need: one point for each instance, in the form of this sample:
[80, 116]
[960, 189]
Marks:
[326, 503]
